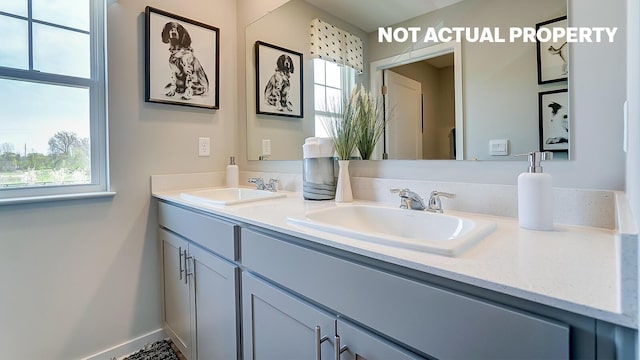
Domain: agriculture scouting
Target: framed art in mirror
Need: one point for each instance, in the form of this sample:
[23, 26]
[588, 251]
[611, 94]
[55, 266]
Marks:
[278, 81]
[554, 120]
[553, 56]
[182, 60]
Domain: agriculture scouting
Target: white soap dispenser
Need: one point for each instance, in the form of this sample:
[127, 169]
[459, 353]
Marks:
[232, 173]
[535, 194]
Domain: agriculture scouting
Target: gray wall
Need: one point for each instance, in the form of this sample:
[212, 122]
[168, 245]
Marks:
[81, 276]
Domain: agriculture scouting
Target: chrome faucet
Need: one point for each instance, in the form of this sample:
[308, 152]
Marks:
[409, 199]
[434, 201]
[260, 185]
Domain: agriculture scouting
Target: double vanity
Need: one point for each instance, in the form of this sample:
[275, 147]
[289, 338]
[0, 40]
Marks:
[252, 274]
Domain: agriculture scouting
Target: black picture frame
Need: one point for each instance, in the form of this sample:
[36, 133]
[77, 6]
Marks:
[553, 57]
[279, 85]
[182, 60]
[554, 120]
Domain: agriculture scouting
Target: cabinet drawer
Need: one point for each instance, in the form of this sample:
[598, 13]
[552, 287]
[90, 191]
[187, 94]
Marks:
[438, 322]
[213, 234]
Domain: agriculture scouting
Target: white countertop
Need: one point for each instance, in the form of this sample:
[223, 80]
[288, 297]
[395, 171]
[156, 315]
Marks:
[572, 268]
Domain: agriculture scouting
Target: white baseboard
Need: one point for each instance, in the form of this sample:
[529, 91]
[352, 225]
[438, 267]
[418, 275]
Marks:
[128, 347]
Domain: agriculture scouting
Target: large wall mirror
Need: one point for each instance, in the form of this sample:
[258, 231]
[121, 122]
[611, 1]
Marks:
[478, 101]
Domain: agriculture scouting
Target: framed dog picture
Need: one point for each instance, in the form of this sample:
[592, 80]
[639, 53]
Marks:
[553, 110]
[182, 60]
[553, 57]
[278, 81]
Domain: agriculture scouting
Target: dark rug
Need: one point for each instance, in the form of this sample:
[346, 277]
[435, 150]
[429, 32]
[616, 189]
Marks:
[160, 350]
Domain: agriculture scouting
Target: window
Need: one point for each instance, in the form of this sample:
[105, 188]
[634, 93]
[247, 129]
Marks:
[53, 134]
[332, 84]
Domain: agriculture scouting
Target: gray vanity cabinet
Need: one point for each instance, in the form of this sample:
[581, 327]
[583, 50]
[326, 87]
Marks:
[200, 286]
[427, 319]
[177, 302]
[278, 325]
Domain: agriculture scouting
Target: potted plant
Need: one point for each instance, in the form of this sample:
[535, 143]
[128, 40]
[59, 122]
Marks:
[343, 133]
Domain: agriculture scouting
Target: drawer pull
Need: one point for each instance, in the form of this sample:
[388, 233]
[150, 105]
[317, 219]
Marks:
[319, 340]
[338, 349]
[180, 261]
[186, 267]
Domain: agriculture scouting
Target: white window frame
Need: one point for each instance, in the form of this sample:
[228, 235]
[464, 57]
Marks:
[97, 86]
[347, 83]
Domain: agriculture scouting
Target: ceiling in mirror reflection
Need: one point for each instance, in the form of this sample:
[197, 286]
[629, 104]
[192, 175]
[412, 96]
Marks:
[378, 12]
[499, 81]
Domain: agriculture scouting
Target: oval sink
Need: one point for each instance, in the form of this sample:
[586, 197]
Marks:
[229, 196]
[417, 230]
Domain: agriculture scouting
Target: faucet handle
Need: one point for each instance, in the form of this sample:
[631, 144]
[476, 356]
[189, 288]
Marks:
[435, 205]
[400, 192]
[258, 181]
[272, 185]
[443, 194]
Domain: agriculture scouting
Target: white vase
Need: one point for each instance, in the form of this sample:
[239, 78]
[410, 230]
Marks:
[343, 188]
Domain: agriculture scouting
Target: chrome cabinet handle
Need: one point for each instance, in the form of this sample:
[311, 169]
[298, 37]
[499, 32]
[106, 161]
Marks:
[337, 348]
[180, 261]
[319, 340]
[186, 267]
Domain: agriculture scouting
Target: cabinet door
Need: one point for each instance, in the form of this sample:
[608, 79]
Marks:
[216, 295]
[363, 345]
[277, 325]
[177, 307]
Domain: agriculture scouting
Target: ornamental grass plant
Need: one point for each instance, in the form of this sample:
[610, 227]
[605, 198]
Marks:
[369, 124]
[359, 125]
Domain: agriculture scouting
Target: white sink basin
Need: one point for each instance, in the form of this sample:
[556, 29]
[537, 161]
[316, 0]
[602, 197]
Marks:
[229, 196]
[417, 230]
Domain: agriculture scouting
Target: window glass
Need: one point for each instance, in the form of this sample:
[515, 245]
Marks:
[46, 141]
[319, 96]
[318, 71]
[60, 51]
[71, 13]
[15, 7]
[14, 52]
[333, 74]
[333, 83]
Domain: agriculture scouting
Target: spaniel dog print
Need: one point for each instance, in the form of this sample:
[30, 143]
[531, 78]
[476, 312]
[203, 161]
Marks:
[559, 125]
[276, 92]
[187, 74]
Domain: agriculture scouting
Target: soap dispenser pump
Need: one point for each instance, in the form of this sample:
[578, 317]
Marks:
[232, 173]
[535, 194]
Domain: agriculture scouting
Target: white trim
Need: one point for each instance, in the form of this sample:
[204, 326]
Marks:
[423, 54]
[46, 198]
[128, 347]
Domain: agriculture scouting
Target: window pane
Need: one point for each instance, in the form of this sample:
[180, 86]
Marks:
[47, 144]
[71, 13]
[333, 74]
[15, 7]
[14, 52]
[319, 96]
[321, 123]
[61, 51]
[334, 100]
[318, 71]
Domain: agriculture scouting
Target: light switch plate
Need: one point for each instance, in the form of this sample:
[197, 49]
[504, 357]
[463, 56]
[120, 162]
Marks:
[266, 147]
[498, 147]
